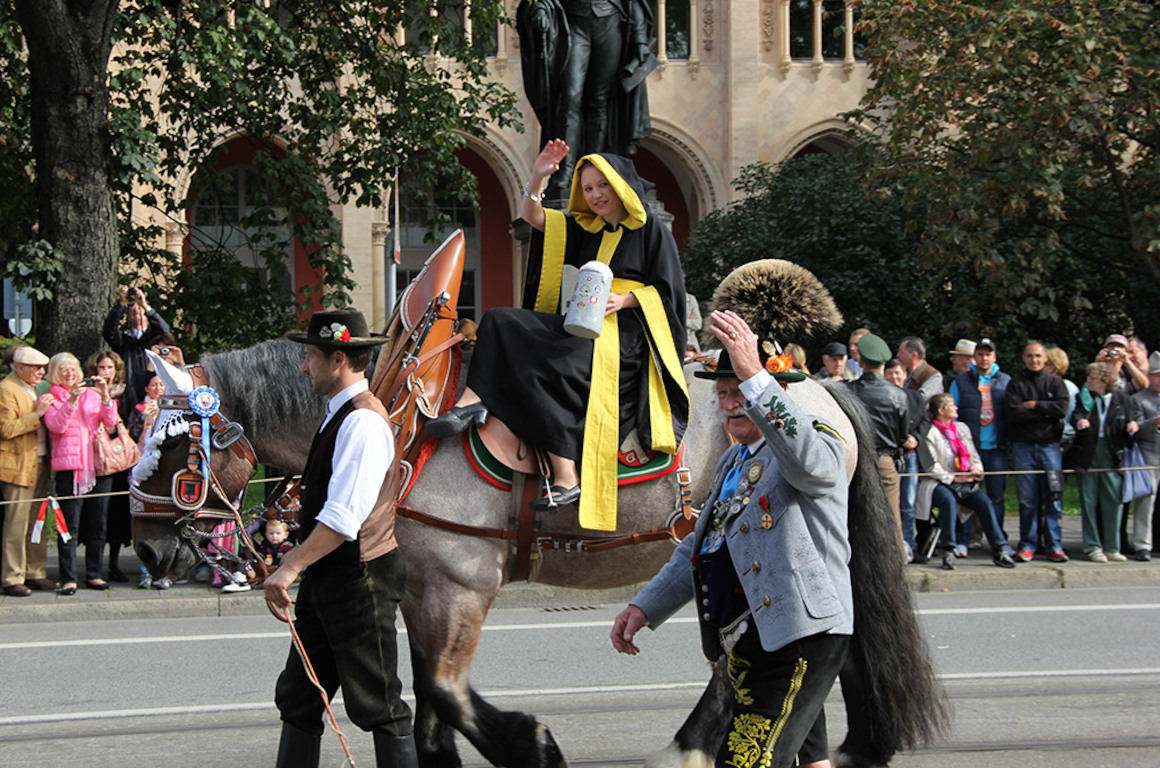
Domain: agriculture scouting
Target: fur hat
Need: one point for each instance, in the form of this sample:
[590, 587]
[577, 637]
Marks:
[779, 300]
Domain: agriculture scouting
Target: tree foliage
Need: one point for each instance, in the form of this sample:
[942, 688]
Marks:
[1027, 133]
[815, 211]
[332, 95]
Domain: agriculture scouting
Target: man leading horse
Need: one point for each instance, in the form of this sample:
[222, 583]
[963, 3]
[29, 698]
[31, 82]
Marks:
[352, 571]
[770, 561]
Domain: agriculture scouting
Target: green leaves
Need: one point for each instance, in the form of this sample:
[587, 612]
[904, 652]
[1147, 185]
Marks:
[335, 95]
[1016, 126]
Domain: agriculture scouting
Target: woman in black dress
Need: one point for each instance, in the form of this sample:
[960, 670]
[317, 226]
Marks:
[575, 398]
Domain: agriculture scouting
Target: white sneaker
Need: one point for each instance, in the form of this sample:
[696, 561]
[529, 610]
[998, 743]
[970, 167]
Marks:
[1097, 556]
[238, 584]
[163, 583]
[1116, 557]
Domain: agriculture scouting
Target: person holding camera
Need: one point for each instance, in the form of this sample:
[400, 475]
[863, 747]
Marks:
[130, 328]
[78, 408]
[1127, 374]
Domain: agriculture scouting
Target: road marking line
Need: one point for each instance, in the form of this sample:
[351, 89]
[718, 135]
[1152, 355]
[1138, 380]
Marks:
[1038, 609]
[231, 637]
[587, 690]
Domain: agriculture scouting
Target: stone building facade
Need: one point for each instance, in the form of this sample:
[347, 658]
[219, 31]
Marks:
[738, 81]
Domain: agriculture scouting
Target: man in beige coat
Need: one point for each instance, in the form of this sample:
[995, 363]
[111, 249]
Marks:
[24, 470]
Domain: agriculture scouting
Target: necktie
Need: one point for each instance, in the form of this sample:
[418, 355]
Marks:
[729, 484]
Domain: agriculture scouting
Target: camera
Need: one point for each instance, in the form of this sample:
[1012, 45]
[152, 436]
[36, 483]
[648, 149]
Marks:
[89, 381]
[134, 293]
[163, 351]
[1113, 353]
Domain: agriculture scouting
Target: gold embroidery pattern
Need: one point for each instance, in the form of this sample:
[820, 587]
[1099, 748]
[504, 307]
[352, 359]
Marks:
[750, 731]
[753, 736]
[738, 669]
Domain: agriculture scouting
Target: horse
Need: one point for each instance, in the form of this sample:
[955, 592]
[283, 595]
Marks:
[453, 577]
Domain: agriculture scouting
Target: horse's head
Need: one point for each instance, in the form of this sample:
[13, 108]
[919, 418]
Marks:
[190, 478]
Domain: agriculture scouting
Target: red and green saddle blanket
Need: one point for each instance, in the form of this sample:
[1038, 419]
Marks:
[632, 467]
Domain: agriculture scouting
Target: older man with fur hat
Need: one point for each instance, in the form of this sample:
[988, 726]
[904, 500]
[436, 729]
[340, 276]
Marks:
[770, 558]
[352, 572]
[768, 562]
[24, 470]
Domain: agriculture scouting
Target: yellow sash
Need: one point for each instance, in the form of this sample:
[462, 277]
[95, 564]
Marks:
[552, 265]
[602, 418]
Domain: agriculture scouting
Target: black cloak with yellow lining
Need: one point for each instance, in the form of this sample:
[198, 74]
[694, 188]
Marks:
[537, 378]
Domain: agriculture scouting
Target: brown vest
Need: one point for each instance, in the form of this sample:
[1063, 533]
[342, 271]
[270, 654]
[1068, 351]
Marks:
[376, 537]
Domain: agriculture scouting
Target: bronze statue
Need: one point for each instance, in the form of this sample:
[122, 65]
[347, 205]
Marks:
[584, 65]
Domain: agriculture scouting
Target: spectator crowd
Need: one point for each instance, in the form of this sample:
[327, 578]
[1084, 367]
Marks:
[947, 443]
[56, 472]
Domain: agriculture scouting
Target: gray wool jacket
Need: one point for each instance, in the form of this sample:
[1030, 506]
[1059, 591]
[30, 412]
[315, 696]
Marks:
[788, 542]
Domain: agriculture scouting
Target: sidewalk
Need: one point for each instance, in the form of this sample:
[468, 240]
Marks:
[195, 600]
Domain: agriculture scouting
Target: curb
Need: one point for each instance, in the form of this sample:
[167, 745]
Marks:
[200, 601]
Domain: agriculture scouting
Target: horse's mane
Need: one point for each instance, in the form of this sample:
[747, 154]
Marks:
[262, 388]
[902, 706]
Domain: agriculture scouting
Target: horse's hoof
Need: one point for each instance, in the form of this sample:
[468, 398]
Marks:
[550, 755]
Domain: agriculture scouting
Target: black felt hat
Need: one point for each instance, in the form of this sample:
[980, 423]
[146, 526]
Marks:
[723, 368]
[338, 329]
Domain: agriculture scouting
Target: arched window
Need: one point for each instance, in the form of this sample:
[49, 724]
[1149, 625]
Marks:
[427, 218]
[233, 210]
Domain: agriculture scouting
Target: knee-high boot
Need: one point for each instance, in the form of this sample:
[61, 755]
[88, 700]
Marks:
[297, 748]
[395, 751]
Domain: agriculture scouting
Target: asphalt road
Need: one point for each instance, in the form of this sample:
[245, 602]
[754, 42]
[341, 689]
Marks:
[1035, 678]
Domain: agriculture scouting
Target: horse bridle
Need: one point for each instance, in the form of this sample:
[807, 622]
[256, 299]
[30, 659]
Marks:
[189, 488]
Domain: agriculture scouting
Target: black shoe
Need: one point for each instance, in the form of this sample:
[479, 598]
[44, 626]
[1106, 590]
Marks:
[560, 497]
[1003, 559]
[117, 576]
[948, 560]
[458, 419]
[1143, 555]
[919, 558]
[297, 748]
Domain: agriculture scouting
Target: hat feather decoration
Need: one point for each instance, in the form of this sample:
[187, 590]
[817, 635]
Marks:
[781, 301]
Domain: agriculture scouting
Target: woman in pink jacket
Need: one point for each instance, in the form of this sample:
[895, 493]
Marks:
[79, 408]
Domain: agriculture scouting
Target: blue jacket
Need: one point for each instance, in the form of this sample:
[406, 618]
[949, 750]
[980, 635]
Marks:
[788, 542]
[965, 391]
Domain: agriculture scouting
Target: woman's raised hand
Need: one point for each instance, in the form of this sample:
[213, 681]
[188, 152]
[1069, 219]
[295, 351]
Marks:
[549, 159]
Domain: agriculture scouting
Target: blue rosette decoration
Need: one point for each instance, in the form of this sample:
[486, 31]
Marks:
[204, 401]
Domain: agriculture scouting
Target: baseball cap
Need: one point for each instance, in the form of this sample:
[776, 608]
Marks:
[986, 343]
[1117, 338]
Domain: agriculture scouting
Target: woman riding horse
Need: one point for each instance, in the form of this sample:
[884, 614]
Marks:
[575, 398]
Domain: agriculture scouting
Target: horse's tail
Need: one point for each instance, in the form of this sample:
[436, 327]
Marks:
[893, 701]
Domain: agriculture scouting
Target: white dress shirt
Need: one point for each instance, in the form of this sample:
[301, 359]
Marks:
[363, 451]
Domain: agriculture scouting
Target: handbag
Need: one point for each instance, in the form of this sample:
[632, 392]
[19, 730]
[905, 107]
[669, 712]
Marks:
[964, 491]
[1137, 481]
[114, 454]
